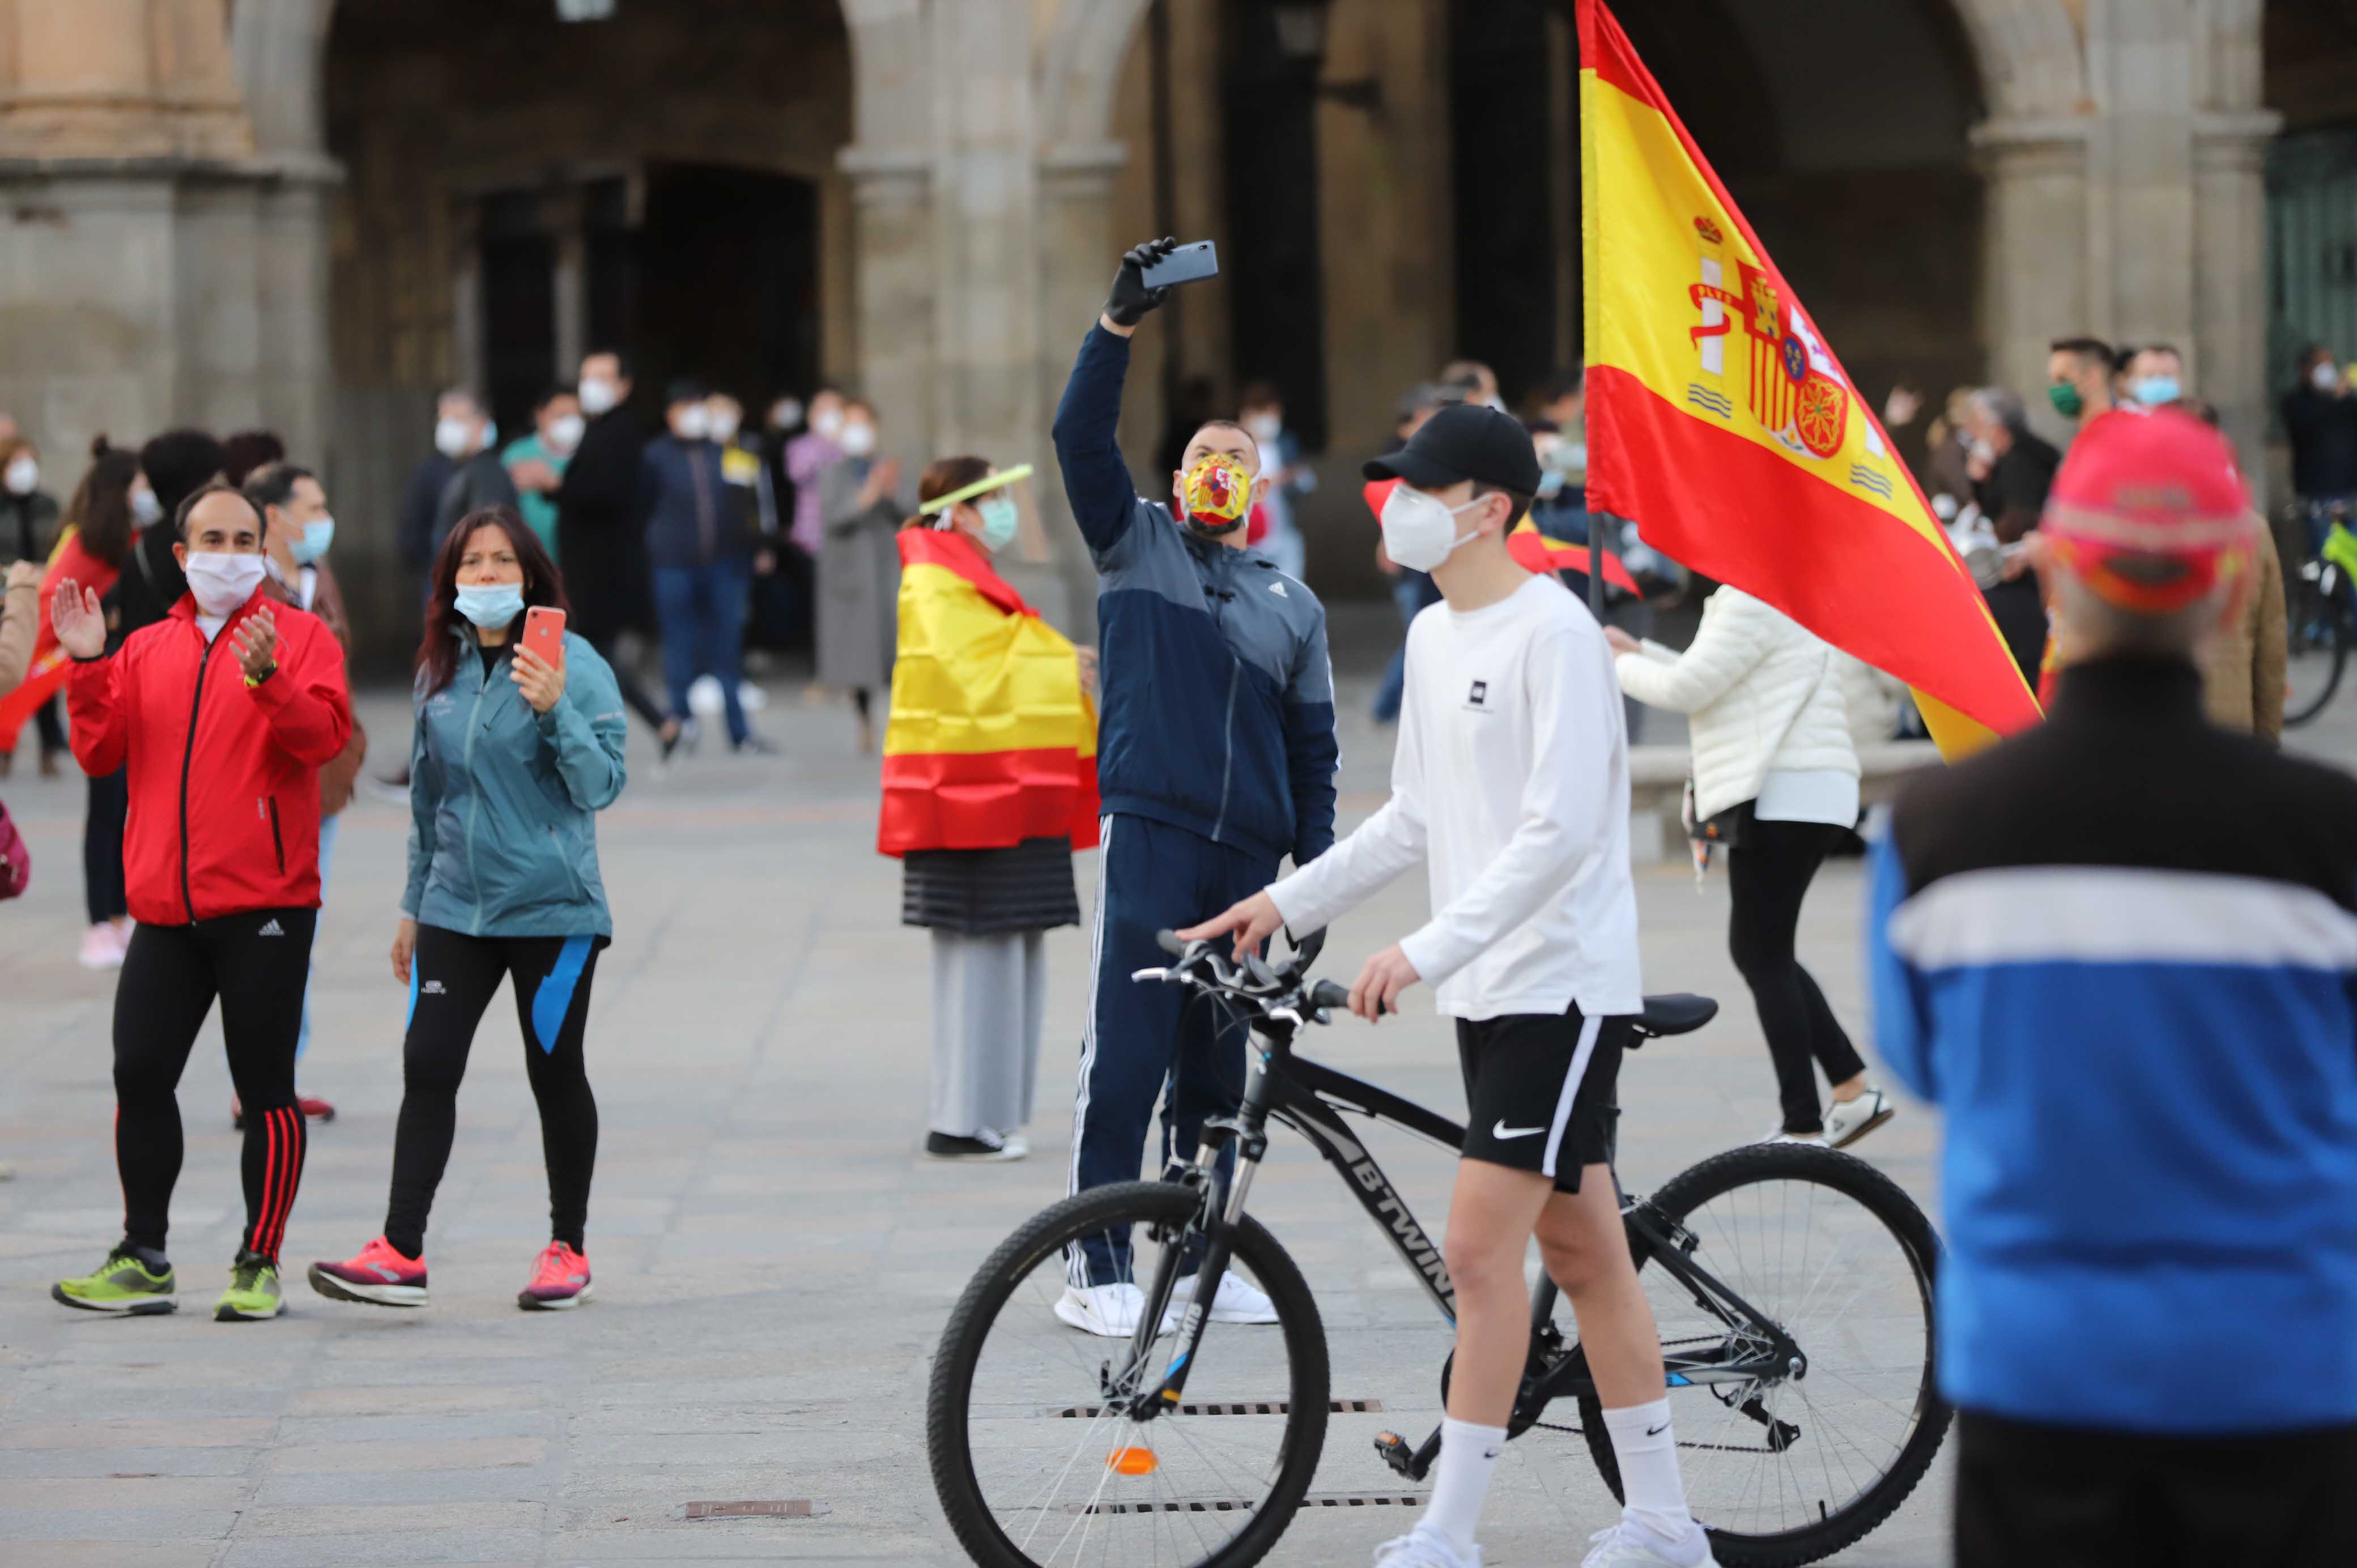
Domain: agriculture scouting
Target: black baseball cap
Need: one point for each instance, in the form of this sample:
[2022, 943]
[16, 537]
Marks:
[1471, 441]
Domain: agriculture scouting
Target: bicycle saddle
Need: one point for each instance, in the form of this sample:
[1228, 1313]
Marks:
[1680, 1013]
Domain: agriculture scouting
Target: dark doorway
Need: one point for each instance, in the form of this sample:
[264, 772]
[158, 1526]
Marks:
[727, 263]
[1270, 124]
[519, 308]
[1502, 167]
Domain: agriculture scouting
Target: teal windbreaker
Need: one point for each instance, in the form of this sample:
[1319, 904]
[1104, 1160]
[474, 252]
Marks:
[503, 800]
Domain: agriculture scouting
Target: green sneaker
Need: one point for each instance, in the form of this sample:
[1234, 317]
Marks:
[122, 1283]
[252, 1293]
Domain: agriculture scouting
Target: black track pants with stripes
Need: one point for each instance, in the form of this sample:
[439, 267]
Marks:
[256, 964]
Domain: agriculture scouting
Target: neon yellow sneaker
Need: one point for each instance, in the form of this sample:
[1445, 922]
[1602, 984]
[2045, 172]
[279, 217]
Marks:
[252, 1293]
[122, 1283]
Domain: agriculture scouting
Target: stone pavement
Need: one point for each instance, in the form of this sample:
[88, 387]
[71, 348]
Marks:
[774, 1259]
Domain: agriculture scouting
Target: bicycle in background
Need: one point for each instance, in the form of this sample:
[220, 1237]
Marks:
[1792, 1285]
[2320, 609]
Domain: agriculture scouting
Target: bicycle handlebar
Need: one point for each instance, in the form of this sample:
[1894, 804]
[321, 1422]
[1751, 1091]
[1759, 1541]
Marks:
[1205, 964]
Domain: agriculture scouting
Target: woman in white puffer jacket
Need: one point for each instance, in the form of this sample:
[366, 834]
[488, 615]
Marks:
[1774, 760]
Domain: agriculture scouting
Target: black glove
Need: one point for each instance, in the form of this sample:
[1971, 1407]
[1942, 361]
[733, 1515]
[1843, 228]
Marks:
[1130, 300]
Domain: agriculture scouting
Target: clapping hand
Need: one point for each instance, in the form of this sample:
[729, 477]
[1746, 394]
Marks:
[257, 641]
[81, 624]
[1900, 409]
[541, 682]
[22, 574]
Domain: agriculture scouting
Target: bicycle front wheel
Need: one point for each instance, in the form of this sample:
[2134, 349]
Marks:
[1035, 1457]
[1794, 1465]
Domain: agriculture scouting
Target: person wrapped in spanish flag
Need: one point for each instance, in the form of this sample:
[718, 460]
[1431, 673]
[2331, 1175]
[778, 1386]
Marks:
[990, 783]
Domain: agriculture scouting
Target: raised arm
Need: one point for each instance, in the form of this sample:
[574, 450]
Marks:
[1566, 808]
[1096, 480]
[307, 704]
[99, 690]
[587, 729]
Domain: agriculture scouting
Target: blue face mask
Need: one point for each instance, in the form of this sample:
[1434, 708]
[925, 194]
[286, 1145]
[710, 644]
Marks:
[2153, 391]
[1550, 483]
[999, 519]
[313, 541]
[491, 605]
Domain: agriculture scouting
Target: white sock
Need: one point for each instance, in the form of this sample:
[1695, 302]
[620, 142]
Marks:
[1469, 1454]
[1655, 1498]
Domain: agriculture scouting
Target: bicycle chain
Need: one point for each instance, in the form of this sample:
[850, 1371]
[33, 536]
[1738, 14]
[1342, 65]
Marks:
[1706, 1448]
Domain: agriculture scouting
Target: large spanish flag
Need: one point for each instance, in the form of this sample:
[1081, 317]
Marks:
[992, 740]
[1720, 422]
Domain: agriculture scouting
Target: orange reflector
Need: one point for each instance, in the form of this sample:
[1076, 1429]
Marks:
[1131, 1460]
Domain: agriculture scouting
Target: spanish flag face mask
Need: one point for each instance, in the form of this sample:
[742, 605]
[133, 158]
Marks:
[1215, 496]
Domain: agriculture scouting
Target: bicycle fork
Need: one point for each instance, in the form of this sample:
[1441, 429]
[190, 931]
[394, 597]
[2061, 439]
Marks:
[1220, 1214]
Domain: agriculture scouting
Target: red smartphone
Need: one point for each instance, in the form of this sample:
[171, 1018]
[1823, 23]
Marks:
[543, 633]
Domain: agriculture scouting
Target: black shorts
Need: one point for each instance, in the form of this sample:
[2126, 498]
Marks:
[1524, 1107]
[2028, 1493]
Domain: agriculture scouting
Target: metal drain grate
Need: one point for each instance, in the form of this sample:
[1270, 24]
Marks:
[1223, 1407]
[767, 1508]
[1237, 1505]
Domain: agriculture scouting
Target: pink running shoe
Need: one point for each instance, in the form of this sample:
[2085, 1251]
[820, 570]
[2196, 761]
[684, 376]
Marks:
[379, 1276]
[562, 1281]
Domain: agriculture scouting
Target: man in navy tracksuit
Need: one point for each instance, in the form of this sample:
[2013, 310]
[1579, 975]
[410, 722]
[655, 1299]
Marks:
[1215, 756]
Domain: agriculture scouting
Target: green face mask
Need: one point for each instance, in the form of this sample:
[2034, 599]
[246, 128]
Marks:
[2066, 400]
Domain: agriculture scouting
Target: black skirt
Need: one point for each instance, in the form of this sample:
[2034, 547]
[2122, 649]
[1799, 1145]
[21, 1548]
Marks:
[983, 892]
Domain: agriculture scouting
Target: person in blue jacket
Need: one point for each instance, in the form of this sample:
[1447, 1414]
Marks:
[1215, 757]
[513, 760]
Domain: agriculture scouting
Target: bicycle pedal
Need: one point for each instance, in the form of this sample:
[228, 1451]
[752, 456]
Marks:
[1392, 1449]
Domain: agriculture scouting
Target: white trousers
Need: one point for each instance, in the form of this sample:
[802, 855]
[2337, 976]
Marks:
[989, 995]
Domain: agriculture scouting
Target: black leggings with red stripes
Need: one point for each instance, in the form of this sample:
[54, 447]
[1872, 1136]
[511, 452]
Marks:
[257, 964]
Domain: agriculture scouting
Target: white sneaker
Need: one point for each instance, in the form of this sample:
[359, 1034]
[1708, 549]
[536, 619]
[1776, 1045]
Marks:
[1781, 1136]
[1238, 1300]
[1110, 1312]
[1418, 1550]
[1850, 1120]
[1626, 1546]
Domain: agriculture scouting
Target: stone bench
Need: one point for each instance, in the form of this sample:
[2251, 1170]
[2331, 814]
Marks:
[1657, 777]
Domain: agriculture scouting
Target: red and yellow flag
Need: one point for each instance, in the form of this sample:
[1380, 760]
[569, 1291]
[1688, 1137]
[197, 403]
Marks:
[992, 740]
[1720, 422]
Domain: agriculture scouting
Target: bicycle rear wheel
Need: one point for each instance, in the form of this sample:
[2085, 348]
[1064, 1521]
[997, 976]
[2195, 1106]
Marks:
[1829, 1247]
[2317, 637]
[1037, 1464]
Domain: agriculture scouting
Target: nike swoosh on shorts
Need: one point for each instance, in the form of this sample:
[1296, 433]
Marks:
[1503, 1130]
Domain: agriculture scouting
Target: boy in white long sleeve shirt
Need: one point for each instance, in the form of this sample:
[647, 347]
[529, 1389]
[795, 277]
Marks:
[1511, 781]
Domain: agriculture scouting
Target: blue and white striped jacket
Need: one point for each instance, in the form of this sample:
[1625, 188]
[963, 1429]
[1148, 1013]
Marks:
[2120, 951]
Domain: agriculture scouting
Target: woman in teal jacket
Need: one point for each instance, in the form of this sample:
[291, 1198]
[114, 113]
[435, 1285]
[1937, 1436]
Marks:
[514, 758]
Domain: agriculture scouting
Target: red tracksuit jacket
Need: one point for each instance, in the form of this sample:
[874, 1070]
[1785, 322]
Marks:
[224, 776]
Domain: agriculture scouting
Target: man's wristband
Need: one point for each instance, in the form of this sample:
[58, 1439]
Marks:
[254, 681]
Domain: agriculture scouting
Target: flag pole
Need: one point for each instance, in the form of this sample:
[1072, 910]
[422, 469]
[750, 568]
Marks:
[1597, 523]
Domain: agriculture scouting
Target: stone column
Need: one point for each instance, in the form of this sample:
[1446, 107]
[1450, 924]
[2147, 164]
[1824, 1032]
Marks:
[2036, 279]
[2230, 282]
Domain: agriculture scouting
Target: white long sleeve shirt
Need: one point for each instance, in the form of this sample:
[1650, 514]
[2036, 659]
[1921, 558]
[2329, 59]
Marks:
[1511, 781]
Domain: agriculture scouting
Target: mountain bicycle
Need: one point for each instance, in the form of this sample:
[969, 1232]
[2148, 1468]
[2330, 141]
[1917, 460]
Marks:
[2320, 615]
[1792, 1285]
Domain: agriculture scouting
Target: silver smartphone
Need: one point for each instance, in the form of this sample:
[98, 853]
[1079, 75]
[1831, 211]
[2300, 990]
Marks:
[1187, 264]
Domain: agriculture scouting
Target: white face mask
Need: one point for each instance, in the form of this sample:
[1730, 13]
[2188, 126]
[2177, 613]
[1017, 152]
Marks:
[454, 438]
[23, 475]
[859, 440]
[145, 508]
[2324, 376]
[1420, 529]
[786, 415]
[1265, 427]
[598, 395]
[564, 433]
[827, 421]
[693, 423]
[725, 425]
[222, 583]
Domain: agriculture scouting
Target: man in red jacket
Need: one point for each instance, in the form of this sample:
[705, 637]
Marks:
[223, 712]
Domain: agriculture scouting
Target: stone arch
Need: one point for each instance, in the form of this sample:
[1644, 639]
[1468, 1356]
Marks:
[2032, 54]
